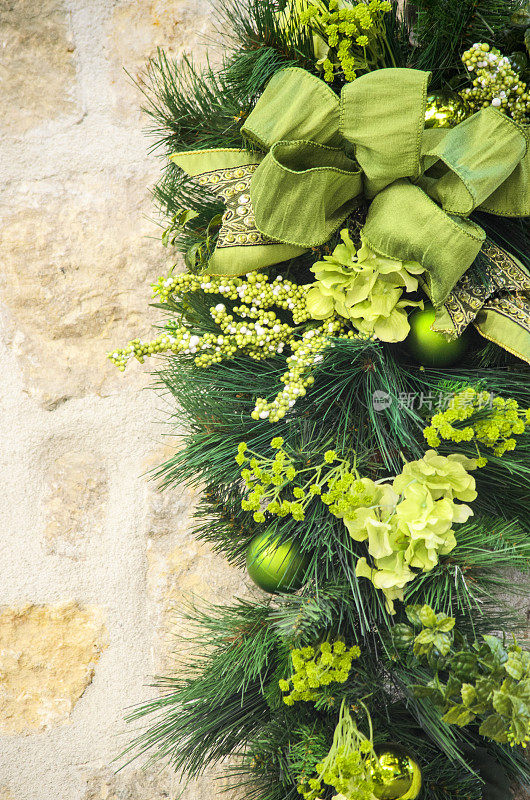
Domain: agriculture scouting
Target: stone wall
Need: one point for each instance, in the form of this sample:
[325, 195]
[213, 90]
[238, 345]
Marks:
[94, 561]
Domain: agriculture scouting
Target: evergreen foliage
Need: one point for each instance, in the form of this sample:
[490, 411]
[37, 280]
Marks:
[224, 701]
[443, 29]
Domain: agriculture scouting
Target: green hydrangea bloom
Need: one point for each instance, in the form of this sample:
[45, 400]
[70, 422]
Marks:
[444, 476]
[365, 289]
[408, 524]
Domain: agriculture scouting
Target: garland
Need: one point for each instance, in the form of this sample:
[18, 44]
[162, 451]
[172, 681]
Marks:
[350, 192]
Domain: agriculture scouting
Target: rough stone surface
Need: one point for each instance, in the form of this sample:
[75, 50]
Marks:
[47, 659]
[77, 492]
[177, 24]
[180, 569]
[76, 279]
[82, 526]
[37, 70]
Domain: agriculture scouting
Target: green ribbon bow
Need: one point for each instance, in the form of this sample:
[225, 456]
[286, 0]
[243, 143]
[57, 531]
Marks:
[322, 154]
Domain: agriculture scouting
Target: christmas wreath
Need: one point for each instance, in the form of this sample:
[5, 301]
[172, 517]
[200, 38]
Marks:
[349, 348]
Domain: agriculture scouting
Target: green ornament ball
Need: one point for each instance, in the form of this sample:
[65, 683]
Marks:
[276, 565]
[396, 775]
[445, 110]
[432, 349]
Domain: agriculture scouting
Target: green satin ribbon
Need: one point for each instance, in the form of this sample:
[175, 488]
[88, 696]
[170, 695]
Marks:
[324, 153]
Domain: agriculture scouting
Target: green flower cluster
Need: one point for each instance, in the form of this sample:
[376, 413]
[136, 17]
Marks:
[289, 22]
[268, 479]
[315, 667]
[354, 34]
[494, 422]
[496, 84]
[407, 524]
[349, 765]
[364, 288]
[485, 681]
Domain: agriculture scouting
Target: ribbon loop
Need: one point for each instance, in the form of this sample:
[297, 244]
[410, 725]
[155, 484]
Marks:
[295, 105]
[476, 157]
[382, 114]
[317, 179]
[404, 223]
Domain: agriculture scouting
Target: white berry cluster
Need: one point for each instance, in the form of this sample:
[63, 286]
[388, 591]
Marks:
[306, 353]
[251, 328]
[255, 291]
[256, 331]
[496, 83]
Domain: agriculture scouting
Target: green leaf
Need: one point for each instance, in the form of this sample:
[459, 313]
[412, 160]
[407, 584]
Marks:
[429, 693]
[458, 715]
[494, 728]
[496, 648]
[514, 667]
[442, 642]
[453, 686]
[464, 664]
[192, 256]
[502, 703]
[402, 635]
[469, 694]
[427, 617]
[527, 40]
[485, 687]
[445, 624]
[185, 215]
[413, 613]
[425, 637]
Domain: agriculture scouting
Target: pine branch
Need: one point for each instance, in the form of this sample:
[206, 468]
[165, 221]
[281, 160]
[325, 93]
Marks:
[443, 29]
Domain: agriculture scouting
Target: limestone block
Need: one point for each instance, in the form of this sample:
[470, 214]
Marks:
[138, 28]
[37, 71]
[151, 784]
[74, 508]
[48, 656]
[180, 568]
[136, 784]
[77, 266]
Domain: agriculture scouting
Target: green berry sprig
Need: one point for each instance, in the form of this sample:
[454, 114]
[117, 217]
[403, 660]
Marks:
[496, 421]
[251, 328]
[307, 352]
[315, 667]
[260, 337]
[496, 84]
[355, 36]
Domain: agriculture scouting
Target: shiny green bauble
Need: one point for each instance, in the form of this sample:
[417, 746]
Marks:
[445, 110]
[274, 565]
[396, 775]
[432, 349]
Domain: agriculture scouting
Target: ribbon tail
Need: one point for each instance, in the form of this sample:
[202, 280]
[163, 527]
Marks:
[497, 304]
[240, 247]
